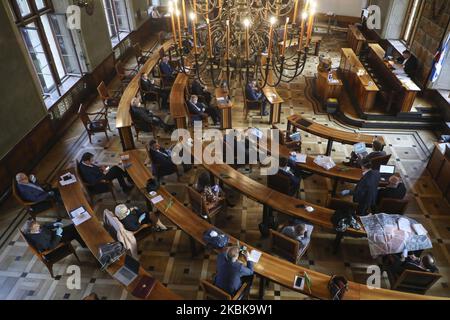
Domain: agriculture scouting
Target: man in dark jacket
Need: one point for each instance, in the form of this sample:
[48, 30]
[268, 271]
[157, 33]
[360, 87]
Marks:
[231, 273]
[94, 175]
[199, 90]
[409, 63]
[167, 71]
[252, 93]
[377, 151]
[148, 87]
[144, 116]
[199, 110]
[30, 190]
[133, 219]
[49, 236]
[290, 171]
[161, 160]
[366, 191]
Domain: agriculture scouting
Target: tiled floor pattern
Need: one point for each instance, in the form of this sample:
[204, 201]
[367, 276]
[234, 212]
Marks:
[169, 258]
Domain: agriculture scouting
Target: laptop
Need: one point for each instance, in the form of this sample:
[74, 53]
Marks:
[360, 150]
[129, 271]
[386, 172]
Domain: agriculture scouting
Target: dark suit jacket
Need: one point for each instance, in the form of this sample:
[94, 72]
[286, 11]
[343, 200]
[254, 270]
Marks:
[131, 222]
[229, 274]
[295, 181]
[91, 175]
[31, 194]
[146, 85]
[375, 154]
[166, 69]
[162, 163]
[141, 117]
[366, 192]
[411, 66]
[251, 94]
[391, 193]
[196, 109]
[44, 240]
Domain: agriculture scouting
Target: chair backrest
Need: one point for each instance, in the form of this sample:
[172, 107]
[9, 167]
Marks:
[214, 293]
[17, 196]
[31, 247]
[120, 70]
[137, 50]
[84, 117]
[103, 91]
[415, 281]
[196, 201]
[285, 246]
[280, 183]
[380, 161]
[393, 206]
[162, 53]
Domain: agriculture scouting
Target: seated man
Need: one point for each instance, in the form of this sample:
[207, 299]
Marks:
[408, 62]
[395, 189]
[148, 87]
[290, 171]
[168, 73]
[300, 231]
[366, 190]
[49, 236]
[146, 116]
[231, 273]
[252, 93]
[154, 12]
[200, 111]
[396, 264]
[161, 160]
[200, 90]
[132, 219]
[93, 174]
[377, 151]
[30, 190]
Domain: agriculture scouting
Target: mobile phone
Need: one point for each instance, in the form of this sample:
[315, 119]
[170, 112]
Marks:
[300, 206]
[299, 282]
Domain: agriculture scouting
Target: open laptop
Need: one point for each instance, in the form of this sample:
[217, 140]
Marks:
[386, 172]
[129, 271]
[360, 150]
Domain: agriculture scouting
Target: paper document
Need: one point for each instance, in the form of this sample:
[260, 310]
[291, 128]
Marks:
[419, 229]
[254, 256]
[301, 158]
[404, 225]
[157, 199]
[75, 213]
[221, 100]
[81, 218]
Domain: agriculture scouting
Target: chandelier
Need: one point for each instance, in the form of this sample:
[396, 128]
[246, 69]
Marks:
[252, 38]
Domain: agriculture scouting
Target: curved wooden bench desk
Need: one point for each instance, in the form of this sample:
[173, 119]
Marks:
[331, 134]
[177, 101]
[271, 94]
[269, 267]
[123, 121]
[94, 235]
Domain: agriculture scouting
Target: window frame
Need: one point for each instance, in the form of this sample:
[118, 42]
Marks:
[115, 21]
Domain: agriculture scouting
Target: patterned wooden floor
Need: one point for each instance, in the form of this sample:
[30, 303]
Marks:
[169, 258]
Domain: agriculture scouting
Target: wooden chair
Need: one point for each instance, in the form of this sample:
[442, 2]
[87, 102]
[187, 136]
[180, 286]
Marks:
[285, 246]
[125, 75]
[143, 126]
[141, 56]
[98, 125]
[247, 102]
[200, 207]
[380, 161]
[413, 281]
[150, 96]
[392, 206]
[50, 257]
[282, 183]
[215, 293]
[109, 101]
[33, 212]
[96, 189]
[286, 141]
[156, 166]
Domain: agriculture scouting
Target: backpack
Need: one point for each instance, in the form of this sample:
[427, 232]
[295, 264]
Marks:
[216, 242]
[110, 253]
[337, 286]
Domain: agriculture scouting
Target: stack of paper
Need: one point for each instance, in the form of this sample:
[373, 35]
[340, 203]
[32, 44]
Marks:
[419, 229]
[79, 216]
[404, 225]
[67, 179]
[157, 199]
[301, 158]
[254, 256]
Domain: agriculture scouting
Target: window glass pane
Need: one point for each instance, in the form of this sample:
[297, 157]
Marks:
[53, 47]
[110, 18]
[40, 62]
[40, 4]
[121, 14]
[23, 6]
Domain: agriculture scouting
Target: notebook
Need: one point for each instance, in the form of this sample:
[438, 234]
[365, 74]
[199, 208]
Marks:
[128, 272]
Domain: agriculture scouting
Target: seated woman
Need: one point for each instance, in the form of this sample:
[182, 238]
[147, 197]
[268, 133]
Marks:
[300, 231]
[213, 196]
[133, 219]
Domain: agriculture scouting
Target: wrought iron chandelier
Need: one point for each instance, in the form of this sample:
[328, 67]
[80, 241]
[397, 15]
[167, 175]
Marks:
[249, 37]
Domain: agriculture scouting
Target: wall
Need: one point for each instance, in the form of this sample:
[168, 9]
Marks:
[21, 107]
[385, 8]
[138, 12]
[351, 8]
[429, 34]
[395, 19]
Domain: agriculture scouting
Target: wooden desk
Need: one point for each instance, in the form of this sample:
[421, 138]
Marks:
[178, 101]
[269, 267]
[226, 119]
[94, 235]
[439, 168]
[327, 89]
[344, 137]
[272, 95]
[123, 119]
[355, 38]
[361, 86]
[403, 92]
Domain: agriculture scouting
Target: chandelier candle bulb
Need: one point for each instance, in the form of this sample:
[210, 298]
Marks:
[285, 37]
[180, 42]
[174, 31]
[247, 46]
[310, 24]
[228, 40]
[209, 38]
[195, 7]
[194, 32]
[294, 18]
[302, 31]
[269, 53]
[183, 4]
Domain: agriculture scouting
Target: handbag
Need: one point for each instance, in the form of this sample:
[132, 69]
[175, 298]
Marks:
[215, 238]
[337, 286]
[110, 253]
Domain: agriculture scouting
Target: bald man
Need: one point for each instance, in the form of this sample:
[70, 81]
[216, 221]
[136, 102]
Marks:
[395, 190]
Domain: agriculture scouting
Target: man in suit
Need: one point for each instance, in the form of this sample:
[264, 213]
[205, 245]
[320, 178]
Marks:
[288, 170]
[409, 63]
[394, 190]
[396, 263]
[133, 219]
[366, 191]
[167, 71]
[148, 87]
[377, 151]
[200, 111]
[200, 90]
[30, 190]
[49, 236]
[146, 116]
[94, 175]
[300, 231]
[161, 160]
[252, 93]
[231, 273]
